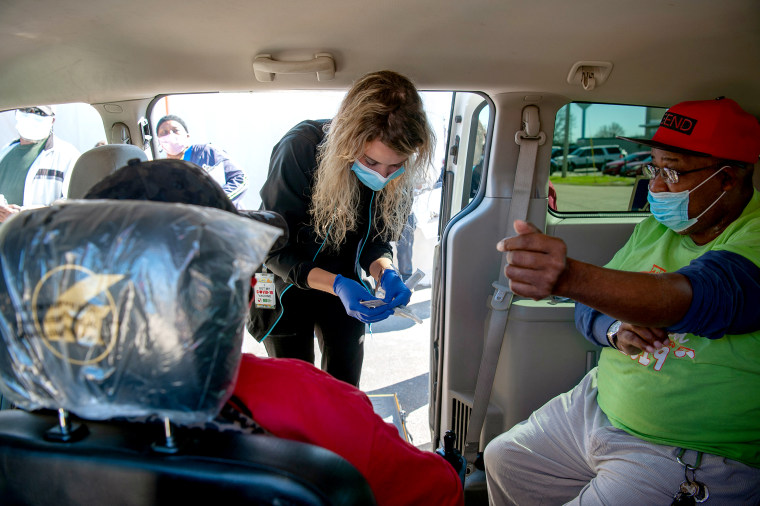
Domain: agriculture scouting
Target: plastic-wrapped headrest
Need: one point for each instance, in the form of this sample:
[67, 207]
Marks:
[125, 308]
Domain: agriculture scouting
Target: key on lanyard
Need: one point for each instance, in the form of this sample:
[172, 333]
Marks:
[690, 491]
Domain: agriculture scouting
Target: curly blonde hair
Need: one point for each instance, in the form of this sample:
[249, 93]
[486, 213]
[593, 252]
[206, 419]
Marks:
[382, 106]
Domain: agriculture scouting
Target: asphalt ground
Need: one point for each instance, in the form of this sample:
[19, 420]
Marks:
[571, 198]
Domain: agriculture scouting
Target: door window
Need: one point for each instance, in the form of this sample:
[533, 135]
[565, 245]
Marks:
[601, 173]
[464, 169]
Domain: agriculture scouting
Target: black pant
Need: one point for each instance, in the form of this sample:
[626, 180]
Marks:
[341, 337]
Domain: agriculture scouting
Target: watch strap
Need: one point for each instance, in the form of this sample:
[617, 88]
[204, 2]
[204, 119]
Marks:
[612, 334]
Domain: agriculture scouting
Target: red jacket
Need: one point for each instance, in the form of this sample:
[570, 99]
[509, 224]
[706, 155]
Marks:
[293, 399]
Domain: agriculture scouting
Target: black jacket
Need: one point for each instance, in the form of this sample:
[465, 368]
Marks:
[288, 190]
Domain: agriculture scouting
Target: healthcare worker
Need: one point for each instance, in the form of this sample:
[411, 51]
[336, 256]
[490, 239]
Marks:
[345, 188]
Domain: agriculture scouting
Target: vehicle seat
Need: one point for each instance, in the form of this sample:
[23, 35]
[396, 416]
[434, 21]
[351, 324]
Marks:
[97, 163]
[121, 343]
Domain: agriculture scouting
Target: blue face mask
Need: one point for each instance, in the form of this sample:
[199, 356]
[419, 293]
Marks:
[372, 179]
[672, 208]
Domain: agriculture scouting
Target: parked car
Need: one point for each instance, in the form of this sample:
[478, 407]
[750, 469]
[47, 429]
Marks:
[588, 156]
[557, 153]
[613, 168]
[558, 150]
[636, 167]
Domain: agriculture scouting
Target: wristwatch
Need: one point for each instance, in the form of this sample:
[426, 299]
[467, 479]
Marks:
[612, 336]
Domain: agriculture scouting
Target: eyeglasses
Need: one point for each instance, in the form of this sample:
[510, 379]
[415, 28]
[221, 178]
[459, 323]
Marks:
[34, 110]
[671, 176]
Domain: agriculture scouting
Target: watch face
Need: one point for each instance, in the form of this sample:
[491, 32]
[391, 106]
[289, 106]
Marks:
[612, 334]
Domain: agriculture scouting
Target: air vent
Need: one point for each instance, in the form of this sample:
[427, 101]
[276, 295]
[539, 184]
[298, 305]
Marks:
[460, 418]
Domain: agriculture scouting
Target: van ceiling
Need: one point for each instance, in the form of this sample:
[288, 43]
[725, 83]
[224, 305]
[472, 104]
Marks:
[663, 51]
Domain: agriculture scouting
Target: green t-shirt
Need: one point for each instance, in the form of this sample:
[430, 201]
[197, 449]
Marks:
[13, 170]
[698, 393]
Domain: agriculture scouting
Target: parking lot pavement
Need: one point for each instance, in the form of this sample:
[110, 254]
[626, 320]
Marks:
[396, 361]
[572, 198]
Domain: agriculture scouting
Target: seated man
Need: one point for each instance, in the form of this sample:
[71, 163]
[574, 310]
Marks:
[673, 406]
[293, 399]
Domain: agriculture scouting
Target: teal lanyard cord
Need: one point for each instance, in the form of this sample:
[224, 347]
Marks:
[291, 284]
[358, 255]
[356, 268]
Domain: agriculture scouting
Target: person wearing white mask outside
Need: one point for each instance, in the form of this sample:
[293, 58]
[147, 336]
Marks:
[175, 141]
[345, 187]
[34, 166]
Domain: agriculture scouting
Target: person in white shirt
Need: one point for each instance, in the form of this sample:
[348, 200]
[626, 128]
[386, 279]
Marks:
[34, 166]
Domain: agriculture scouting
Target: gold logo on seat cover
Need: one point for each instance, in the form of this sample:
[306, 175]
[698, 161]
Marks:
[72, 326]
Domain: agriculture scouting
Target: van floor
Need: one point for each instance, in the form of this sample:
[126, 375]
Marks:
[388, 408]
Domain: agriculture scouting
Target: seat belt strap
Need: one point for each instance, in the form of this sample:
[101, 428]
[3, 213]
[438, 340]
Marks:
[529, 138]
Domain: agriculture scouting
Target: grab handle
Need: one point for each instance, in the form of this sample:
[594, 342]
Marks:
[265, 67]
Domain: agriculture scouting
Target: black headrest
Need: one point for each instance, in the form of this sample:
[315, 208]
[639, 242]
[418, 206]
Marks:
[125, 308]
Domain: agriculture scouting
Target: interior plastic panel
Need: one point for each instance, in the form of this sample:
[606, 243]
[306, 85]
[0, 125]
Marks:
[592, 240]
[542, 354]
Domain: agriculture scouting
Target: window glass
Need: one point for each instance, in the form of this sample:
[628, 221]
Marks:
[248, 125]
[77, 124]
[480, 149]
[591, 169]
[462, 173]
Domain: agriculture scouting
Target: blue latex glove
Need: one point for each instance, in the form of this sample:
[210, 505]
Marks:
[396, 292]
[350, 293]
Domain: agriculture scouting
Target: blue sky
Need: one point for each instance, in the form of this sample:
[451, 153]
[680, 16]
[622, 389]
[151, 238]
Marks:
[598, 115]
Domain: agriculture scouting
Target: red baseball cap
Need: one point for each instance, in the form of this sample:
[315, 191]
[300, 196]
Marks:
[719, 128]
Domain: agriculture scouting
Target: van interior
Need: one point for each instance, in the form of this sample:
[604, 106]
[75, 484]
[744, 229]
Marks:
[513, 87]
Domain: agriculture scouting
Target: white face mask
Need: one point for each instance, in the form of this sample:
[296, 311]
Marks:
[33, 127]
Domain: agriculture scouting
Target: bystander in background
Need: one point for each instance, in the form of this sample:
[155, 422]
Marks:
[34, 166]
